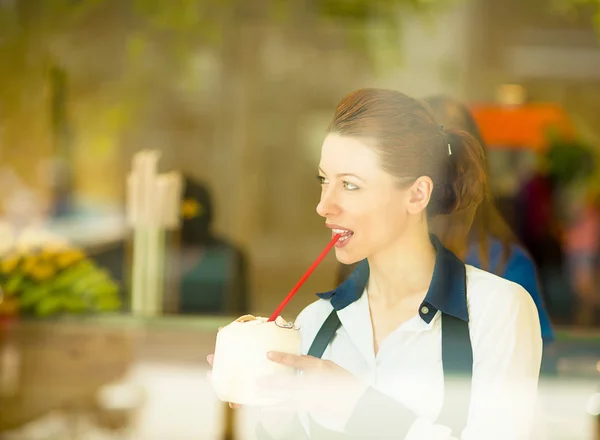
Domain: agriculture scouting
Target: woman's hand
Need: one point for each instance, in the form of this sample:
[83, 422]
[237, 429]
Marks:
[321, 384]
[310, 365]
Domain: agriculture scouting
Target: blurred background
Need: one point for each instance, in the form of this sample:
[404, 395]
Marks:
[232, 98]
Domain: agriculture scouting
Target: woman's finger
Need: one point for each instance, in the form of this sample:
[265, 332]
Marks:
[210, 358]
[299, 362]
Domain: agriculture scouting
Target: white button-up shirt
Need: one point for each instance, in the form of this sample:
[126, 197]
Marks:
[406, 377]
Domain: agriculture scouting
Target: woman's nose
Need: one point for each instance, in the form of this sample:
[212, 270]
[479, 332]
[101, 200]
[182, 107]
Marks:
[327, 206]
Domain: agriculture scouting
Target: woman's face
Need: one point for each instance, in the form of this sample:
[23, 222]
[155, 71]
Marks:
[360, 200]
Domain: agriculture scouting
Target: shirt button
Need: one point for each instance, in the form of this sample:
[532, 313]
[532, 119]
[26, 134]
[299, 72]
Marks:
[424, 310]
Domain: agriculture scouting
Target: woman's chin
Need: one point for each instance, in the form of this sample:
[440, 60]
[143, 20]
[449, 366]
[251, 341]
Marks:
[346, 257]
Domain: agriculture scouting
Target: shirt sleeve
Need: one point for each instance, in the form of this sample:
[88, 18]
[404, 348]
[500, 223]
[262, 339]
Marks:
[520, 269]
[507, 349]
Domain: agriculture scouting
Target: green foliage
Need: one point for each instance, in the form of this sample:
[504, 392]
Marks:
[572, 8]
[157, 40]
[204, 21]
[570, 161]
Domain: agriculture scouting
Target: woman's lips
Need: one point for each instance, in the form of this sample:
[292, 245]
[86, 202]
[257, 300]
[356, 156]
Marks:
[345, 234]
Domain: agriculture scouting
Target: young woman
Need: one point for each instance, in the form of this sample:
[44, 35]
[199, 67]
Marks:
[414, 344]
[479, 235]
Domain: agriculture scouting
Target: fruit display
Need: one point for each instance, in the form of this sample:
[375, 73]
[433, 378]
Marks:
[52, 280]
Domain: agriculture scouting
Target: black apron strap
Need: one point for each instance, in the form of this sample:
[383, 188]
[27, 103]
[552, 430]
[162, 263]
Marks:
[325, 335]
[457, 359]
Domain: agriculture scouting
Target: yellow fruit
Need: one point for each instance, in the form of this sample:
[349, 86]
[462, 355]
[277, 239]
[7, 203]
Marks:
[47, 254]
[29, 263]
[9, 264]
[69, 258]
[51, 250]
[42, 272]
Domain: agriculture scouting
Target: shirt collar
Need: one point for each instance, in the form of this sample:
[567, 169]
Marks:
[447, 291]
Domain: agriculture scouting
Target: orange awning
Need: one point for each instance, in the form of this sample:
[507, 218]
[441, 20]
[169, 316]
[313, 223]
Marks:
[525, 126]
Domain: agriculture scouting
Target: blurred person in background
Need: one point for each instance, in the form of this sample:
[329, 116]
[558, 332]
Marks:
[214, 277]
[581, 241]
[490, 244]
[540, 230]
[570, 167]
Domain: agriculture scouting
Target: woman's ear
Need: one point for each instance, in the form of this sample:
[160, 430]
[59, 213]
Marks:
[419, 195]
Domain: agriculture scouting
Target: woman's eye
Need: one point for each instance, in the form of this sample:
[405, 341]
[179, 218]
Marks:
[350, 186]
[322, 180]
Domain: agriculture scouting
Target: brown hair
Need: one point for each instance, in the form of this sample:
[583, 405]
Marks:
[459, 231]
[412, 144]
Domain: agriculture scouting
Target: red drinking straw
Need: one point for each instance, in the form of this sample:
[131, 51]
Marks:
[304, 278]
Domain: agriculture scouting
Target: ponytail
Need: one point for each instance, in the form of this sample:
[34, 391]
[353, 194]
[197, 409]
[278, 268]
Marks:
[466, 178]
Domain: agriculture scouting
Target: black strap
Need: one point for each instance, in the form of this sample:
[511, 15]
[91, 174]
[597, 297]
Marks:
[325, 335]
[457, 353]
[457, 361]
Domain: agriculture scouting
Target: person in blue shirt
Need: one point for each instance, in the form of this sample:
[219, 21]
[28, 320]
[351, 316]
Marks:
[489, 244]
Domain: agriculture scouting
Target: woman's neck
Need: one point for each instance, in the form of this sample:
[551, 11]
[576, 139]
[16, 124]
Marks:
[402, 270]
